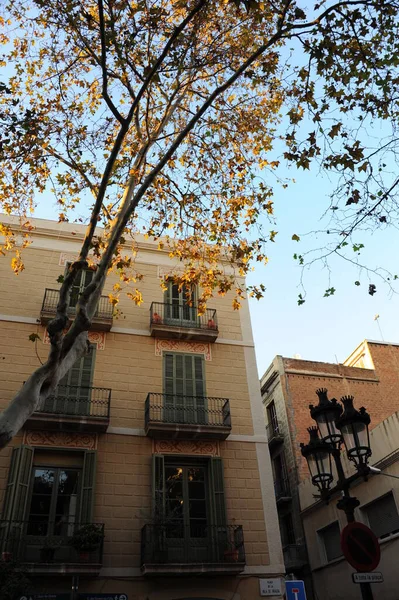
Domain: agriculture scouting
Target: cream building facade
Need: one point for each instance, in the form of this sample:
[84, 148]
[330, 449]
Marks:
[155, 439]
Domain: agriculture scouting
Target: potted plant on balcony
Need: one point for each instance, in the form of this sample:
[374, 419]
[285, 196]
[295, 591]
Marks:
[87, 539]
[156, 318]
[48, 549]
[211, 324]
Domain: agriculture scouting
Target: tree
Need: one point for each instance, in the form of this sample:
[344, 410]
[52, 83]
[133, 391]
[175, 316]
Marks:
[161, 116]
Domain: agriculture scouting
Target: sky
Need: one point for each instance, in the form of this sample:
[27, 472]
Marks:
[322, 329]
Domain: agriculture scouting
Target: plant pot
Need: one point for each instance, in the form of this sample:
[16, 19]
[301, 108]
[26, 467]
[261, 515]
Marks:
[231, 555]
[211, 324]
[47, 555]
[6, 556]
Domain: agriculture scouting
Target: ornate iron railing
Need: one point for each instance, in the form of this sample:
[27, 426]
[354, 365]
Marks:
[282, 488]
[294, 555]
[44, 542]
[78, 401]
[183, 316]
[50, 301]
[273, 431]
[170, 543]
[188, 410]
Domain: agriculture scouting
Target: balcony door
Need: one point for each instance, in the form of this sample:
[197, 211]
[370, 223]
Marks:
[54, 501]
[184, 388]
[272, 417]
[73, 393]
[82, 280]
[187, 512]
[177, 310]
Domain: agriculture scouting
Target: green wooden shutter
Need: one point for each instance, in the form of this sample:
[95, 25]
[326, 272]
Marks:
[88, 485]
[16, 495]
[217, 492]
[158, 487]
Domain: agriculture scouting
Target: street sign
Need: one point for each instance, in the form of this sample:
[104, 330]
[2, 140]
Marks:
[375, 577]
[106, 596]
[295, 590]
[360, 547]
[270, 587]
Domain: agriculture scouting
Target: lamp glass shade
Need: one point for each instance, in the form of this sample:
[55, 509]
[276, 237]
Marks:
[328, 430]
[356, 439]
[319, 462]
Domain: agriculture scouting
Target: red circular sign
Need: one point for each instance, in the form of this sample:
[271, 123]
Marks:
[360, 547]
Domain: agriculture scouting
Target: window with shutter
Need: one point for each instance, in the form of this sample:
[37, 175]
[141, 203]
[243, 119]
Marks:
[189, 500]
[382, 515]
[180, 304]
[82, 280]
[184, 388]
[73, 393]
[331, 539]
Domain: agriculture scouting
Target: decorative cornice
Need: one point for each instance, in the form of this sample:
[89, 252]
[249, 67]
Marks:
[182, 346]
[59, 439]
[68, 257]
[186, 447]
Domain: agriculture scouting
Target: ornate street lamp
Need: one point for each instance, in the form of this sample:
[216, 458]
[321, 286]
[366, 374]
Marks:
[318, 456]
[354, 426]
[326, 414]
[336, 425]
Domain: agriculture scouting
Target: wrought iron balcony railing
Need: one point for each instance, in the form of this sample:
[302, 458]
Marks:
[167, 317]
[73, 408]
[273, 433]
[181, 414]
[195, 544]
[78, 401]
[294, 556]
[103, 314]
[282, 489]
[40, 542]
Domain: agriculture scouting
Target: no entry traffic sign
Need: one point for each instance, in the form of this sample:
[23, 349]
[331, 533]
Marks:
[360, 547]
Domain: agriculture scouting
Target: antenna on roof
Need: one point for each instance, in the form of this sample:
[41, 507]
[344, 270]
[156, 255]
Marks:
[377, 318]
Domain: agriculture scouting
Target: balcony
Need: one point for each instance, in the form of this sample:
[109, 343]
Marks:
[274, 436]
[183, 322]
[172, 549]
[282, 491]
[74, 408]
[294, 557]
[187, 417]
[102, 320]
[25, 542]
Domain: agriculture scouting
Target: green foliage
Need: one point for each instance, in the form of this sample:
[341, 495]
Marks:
[88, 538]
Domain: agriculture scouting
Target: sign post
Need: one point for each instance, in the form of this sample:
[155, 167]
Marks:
[362, 550]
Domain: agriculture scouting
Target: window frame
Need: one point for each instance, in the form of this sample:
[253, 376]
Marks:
[321, 542]
[365, 516]
[54, 495]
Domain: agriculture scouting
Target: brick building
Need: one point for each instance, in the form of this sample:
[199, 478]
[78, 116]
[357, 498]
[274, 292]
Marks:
[370, 374]
[155, 439]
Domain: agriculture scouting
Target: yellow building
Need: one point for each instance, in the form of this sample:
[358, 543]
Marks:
[147, 473]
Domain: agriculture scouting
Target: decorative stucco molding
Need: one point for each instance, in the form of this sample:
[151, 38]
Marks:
[182, 346]
[95, 337]
[68, 257]
[186, 447]
[167, 271]
[59, 439]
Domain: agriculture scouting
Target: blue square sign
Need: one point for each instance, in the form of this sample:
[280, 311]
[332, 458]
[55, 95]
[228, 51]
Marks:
[295, 590]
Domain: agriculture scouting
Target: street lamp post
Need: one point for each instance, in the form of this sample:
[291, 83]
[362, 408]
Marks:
[337, 425]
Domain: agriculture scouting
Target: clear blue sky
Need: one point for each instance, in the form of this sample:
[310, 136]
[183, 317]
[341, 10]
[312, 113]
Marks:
[323, 329]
